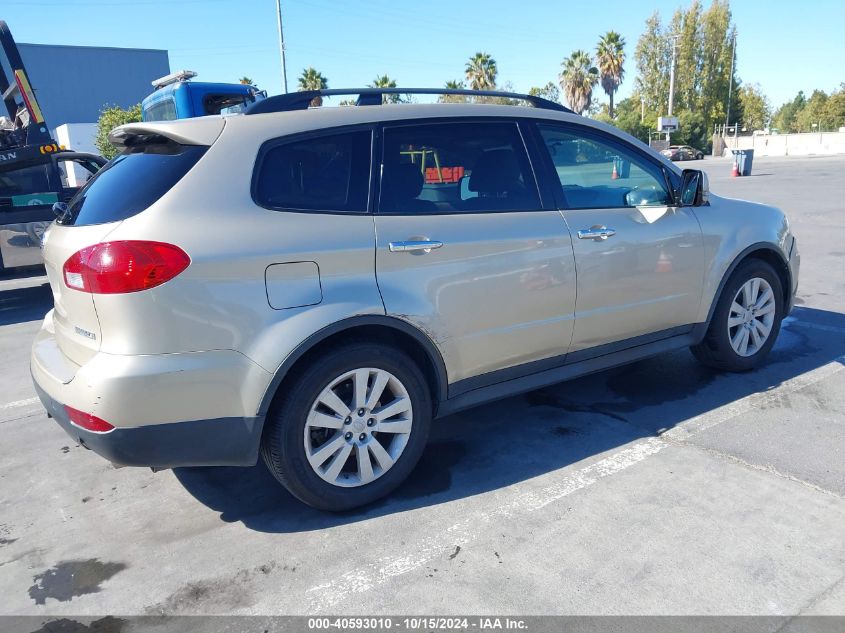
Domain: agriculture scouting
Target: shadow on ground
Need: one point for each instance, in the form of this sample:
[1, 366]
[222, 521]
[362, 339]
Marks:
[19, 305]
[510, 441]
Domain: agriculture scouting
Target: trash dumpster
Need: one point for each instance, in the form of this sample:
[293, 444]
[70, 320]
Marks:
[743, 158]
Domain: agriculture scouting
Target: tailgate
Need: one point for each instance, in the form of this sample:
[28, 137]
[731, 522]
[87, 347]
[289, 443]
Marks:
[77, 329]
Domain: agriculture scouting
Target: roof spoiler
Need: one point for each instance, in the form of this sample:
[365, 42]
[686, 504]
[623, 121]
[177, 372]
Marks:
[198, 131]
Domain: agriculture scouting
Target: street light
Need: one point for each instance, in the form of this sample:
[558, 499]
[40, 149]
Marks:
[731, 81]
[674, 39]
[282, 45]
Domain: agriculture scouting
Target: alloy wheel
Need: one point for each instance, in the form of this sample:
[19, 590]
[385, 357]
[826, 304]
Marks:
[751, 317]
[358, 427]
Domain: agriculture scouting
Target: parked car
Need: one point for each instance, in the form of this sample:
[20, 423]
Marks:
[682, 152]
[375, 267]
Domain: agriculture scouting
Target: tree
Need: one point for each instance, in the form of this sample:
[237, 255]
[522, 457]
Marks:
[384, 81]
[577, 79]
[246, 81]
[835, 109]
[481, 72]
[812, 116]
[455, 84]
[110, 118]
[627, 118]
[717, 36]
[505, 87]
[652, 58]
[692, 130]
[550, 91]
[785, 118]
[311, 79]
[686, 29]
[610, 60]
[756, 111]
[704, 48]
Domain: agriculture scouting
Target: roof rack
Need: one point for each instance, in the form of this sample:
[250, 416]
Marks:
[373, 96]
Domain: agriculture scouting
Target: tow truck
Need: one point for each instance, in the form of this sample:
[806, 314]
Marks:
[177, 97]
[35, 172]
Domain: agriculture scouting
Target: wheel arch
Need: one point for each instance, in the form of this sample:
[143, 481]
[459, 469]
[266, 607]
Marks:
[766, 252]
[372, 328]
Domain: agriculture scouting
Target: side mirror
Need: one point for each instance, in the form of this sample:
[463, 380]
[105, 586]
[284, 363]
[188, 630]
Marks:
[695, 189]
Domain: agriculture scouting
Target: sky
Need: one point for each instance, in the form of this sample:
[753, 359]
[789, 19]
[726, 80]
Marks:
[785, 46]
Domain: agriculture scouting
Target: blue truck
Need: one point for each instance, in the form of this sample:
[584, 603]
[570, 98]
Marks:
[177, 97]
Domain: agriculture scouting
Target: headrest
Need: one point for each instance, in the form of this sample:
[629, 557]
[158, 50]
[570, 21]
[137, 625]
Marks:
[402, 181]
[495, 171]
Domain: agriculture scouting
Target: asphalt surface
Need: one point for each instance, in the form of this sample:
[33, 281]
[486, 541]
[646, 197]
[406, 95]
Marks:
[658, 488]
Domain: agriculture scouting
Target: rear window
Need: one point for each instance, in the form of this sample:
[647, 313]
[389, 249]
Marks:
[132, 182]
[164, 110]
[226, 104]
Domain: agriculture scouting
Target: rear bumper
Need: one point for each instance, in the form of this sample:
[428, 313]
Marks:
[180, 409]
[220, 442]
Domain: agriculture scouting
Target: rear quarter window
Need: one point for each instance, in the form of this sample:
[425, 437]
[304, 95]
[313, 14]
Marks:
[131, 182]
[328, 173]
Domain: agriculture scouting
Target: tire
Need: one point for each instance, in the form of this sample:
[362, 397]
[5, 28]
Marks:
[296, 427]
[717, 350]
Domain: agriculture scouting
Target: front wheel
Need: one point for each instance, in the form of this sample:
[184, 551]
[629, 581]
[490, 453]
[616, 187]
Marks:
[350, 428]
[746, 321]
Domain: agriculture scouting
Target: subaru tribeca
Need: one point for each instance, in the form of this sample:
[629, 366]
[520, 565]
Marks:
[315, 285]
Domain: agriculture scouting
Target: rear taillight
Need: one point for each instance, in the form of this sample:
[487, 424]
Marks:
[87, 421]
[126, 266]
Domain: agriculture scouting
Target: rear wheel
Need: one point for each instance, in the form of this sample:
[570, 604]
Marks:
[350, 428]
[746, 321]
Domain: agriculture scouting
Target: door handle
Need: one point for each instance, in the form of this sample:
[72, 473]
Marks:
[413, 246]
[596, 233]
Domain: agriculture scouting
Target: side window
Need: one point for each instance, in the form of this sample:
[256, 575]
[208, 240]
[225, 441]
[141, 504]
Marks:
[326, 173]
[21, 187]
[75, 172]
[598, 175]
[456, 168]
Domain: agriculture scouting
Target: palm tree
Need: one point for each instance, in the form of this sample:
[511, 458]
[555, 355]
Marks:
[246, 81]
[455, 84]
[481, 72]
[610, 58]
[384, 81]
[311, 79]
[577, 80]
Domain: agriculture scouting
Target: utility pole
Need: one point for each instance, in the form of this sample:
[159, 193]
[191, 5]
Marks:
[674, 39]
[731, 82]
[282, 46]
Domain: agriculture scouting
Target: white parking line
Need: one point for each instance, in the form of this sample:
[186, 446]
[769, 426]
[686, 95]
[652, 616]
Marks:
[754, 401]
[440, 545]
[18, 403]
[532, 495]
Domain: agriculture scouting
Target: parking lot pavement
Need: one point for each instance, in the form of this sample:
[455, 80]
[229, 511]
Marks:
[659, 488]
